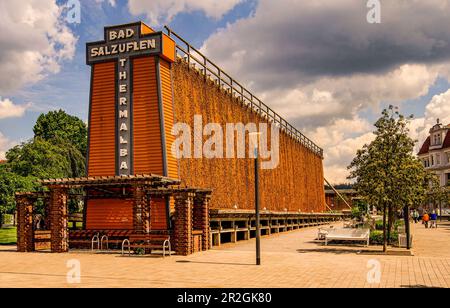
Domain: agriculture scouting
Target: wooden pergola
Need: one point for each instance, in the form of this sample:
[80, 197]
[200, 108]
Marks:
[190, 231]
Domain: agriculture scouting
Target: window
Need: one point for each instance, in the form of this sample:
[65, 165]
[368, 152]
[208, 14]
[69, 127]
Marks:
[438, 159]
[432, 160]
[437, 139]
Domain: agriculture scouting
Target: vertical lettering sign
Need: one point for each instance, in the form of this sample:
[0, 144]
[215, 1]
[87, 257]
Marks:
[122, 44]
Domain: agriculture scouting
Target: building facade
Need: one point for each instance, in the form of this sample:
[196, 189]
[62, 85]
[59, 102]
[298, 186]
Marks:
[145, 85]
[435, 152]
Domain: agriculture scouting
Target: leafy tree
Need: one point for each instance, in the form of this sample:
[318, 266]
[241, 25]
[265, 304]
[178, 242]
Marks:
[386, 172]
[59, 126]
[43, 159]
[437, 195]
[10, 183]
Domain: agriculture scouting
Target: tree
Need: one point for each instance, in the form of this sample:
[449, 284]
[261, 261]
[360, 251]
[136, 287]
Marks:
[386, 172]
[59, 126]
[43, 159]
[10, 183]
[436, 193]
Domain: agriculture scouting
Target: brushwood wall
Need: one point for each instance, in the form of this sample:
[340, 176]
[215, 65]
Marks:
[296, 184]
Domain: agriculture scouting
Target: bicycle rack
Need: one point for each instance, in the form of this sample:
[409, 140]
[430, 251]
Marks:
[95, 239]
[104, 237]
[129, 244]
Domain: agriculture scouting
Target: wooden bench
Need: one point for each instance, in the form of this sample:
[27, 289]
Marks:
[147, 241]
[348, 235]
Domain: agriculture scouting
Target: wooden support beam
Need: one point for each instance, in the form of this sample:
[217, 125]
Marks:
[337, 193]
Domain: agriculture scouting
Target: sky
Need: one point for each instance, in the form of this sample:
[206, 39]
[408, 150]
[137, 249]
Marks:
[320, 63]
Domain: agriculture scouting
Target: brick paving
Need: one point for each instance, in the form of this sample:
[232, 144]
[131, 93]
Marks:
[289, 260]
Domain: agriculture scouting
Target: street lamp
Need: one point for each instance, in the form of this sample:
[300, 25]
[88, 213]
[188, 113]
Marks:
[254, 144]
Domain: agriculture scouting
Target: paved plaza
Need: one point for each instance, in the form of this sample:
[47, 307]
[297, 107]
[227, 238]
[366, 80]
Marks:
[288, 260]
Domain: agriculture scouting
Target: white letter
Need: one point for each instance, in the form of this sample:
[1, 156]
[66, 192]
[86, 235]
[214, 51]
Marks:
[216, 140]
[74, 12]
[74, 274]
[274, 153]
[184, 140]
[374, 14]
[123, 114]
[124, 166]
[374, 274]
[198, 136]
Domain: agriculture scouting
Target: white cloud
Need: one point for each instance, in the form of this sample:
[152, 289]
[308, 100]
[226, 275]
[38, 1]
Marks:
[5, 145]
[162, 11]
[111, 2]
[320, 64]
[33, 41]
[437, 108]
[10, 110]
[341, 139]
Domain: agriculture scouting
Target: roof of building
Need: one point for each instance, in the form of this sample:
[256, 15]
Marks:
[426, 145]
[3, 161]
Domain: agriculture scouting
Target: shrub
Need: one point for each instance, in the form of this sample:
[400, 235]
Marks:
[376, 237]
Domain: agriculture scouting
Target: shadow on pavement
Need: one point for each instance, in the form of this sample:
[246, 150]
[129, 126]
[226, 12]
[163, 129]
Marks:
[214, 263]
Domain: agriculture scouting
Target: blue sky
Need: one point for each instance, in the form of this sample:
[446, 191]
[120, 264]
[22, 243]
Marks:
[321, 66]
[69, 89]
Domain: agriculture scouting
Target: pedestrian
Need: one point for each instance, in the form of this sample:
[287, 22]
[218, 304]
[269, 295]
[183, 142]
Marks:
[415, 216]
[433, 219]
[425, 219]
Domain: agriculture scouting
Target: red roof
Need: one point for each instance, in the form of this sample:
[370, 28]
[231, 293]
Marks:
[446, 141]
[426, 146]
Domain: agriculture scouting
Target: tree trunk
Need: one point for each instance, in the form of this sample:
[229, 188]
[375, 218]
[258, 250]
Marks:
[407, 230]
[389, 225]
[384, 228]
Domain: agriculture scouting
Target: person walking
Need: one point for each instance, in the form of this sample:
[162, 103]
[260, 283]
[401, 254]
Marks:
[433, 218]
[425, 219]
[415, 216]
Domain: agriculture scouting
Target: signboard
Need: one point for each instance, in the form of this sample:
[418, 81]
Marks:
[122, 44]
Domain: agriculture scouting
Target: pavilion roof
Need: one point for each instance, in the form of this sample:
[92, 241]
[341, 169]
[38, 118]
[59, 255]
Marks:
[143, 179]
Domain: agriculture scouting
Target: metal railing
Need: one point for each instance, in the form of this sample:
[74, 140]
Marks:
[209, 69]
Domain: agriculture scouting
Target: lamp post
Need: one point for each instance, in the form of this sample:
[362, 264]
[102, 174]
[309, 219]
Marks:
[257, 205]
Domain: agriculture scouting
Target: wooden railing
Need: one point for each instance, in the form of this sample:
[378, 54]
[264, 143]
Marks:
[194, 57]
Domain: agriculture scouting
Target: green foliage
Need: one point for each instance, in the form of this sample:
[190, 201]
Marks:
[376, 237]
[59, 126]
[397, 223]
[387, 173]
[355, 212]
[44, 159]
[57, 150]
[10, 183]
[436, 193]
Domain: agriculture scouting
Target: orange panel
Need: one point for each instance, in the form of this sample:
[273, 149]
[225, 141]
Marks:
[146, 29]
[167, 98]
[102, 131]
[147, 146]
[109, 214]
[158, 214]
[168, 48]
